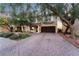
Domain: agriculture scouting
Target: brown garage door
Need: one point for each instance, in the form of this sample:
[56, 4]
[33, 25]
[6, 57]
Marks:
[48, 29]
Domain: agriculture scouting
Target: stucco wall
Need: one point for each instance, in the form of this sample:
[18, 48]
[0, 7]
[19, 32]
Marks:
[59, 23]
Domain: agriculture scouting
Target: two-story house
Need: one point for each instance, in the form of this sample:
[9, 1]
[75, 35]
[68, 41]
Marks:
[46, 24]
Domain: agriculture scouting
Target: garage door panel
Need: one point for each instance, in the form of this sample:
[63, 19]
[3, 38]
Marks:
[48, 29]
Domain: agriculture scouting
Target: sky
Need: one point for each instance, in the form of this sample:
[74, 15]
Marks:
[8, 8]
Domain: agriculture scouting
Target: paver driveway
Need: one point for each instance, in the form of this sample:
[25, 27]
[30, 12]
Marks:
[42, 44]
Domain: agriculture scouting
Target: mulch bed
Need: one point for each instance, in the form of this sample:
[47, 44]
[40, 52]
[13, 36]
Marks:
[75, 42]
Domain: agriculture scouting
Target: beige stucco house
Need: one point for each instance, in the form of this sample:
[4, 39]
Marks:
[53, 24]
[49, 24]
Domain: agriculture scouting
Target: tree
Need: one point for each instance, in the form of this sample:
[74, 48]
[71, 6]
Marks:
[4, 21]
[22, 16]
[67, 13]
[2, 7]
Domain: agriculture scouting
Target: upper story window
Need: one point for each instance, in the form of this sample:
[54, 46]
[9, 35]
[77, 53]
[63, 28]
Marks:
[46, 19]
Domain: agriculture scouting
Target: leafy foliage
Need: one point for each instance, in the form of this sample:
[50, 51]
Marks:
[22, 36]
[2, 7]
[3, 21]
[13, 36]
[6, 35]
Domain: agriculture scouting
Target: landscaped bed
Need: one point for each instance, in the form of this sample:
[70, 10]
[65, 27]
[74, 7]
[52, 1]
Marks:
[75, 41]
[14, 36]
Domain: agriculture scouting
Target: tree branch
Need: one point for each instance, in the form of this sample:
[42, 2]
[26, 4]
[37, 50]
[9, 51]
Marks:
[57, 13]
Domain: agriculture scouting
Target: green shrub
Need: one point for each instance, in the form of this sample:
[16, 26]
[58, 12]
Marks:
[14, 37]
[1, 34]
[6, 35]
[22, 36]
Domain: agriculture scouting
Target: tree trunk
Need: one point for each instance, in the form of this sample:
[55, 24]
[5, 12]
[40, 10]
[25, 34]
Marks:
[54, 10]
[72, 32]
[66, 31]
[11, 29]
